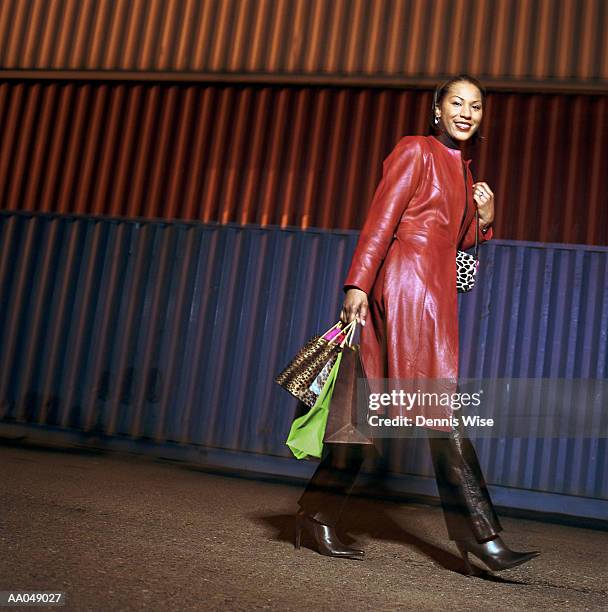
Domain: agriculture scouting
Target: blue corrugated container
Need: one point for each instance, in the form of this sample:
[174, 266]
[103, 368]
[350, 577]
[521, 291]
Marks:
[172, 332]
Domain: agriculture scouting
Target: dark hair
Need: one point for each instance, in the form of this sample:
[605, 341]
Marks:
[442, 89]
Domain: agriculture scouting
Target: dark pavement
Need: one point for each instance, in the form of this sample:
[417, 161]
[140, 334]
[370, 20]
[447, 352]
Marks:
[120, 532]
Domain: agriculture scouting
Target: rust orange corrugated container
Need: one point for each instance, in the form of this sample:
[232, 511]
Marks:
[305, 157]
[539, 40]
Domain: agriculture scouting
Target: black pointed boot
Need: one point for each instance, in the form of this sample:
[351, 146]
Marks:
[494, 553]
[325, 538]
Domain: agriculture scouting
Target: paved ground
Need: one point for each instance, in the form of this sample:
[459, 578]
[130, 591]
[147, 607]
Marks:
[117, 532]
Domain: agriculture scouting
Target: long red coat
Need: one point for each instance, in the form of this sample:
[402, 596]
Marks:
[405, 260]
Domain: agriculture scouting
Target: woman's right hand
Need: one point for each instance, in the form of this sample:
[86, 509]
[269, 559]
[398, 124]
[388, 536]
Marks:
[355, 306]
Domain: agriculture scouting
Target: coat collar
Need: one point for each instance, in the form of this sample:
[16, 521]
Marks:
[452, 148]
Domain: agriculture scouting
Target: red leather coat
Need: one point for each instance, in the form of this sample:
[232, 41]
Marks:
[405, 260]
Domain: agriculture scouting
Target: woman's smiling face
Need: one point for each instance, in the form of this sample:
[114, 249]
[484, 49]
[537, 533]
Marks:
[461, 110]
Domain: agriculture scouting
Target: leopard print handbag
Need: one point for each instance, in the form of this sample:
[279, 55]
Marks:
[466, 265]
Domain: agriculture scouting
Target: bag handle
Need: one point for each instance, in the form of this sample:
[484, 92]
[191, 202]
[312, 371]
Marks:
[349, 334]
[331, 329]
[348, 328]
[338, 324]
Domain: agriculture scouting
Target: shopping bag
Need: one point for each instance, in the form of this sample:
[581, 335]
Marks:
[302, 371]
[310, 395]
[305, 437]
[343, 426]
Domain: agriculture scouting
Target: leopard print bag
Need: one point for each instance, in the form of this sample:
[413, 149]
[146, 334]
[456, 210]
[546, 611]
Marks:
[466, 265]
[313, 362]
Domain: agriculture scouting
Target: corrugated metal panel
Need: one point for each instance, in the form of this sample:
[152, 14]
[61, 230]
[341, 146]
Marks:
[173, 332]
[539, 311]
[527, 39]
[158, 330]
[282, 156]
[542, 312]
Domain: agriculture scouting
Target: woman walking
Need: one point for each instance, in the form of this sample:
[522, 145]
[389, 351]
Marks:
[401, 286]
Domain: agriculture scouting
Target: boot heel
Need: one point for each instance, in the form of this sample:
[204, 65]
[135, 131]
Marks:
[324, 537]
[299, 527]
[464, 553]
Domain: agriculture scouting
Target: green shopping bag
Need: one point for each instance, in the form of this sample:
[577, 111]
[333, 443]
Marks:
[306, 434]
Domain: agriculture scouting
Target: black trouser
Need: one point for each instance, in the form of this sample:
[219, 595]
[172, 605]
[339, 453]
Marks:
[467, 508]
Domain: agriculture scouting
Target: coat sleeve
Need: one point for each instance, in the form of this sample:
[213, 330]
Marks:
[402, 173]
[468, 240]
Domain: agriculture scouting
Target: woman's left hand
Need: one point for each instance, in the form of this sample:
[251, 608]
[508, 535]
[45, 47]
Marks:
[484, 198]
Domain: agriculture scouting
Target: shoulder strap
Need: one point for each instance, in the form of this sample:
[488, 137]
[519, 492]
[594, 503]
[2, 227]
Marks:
[476, 232]
[476, 213]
